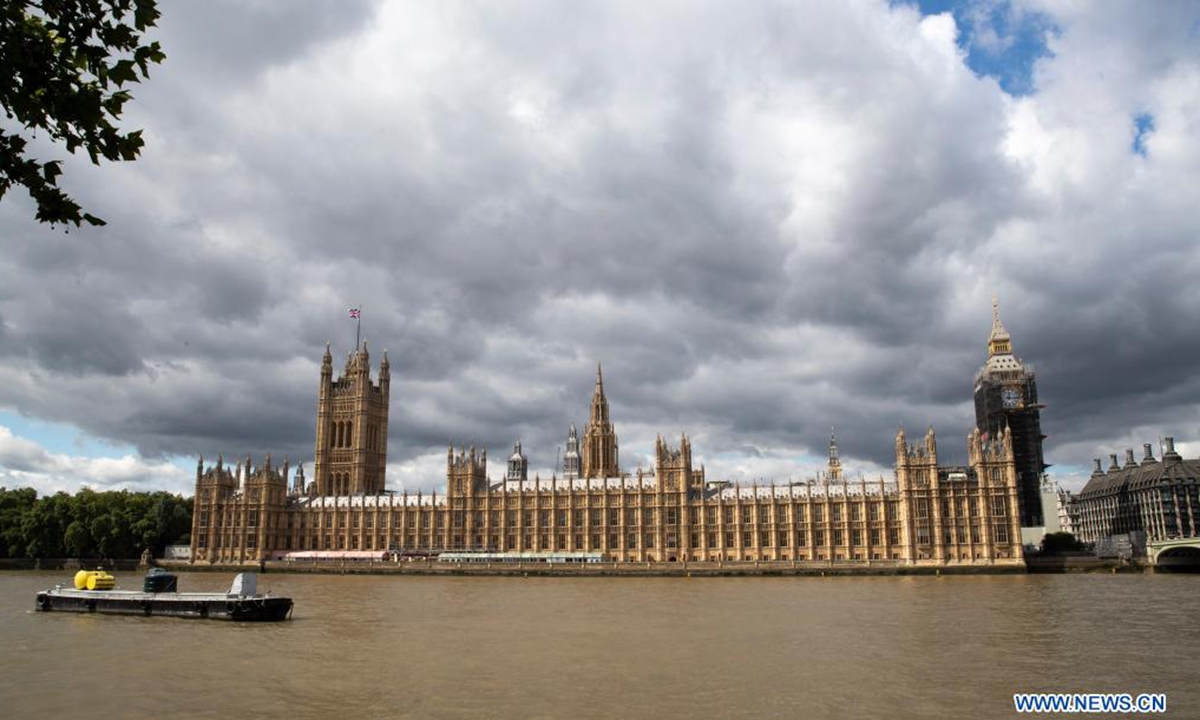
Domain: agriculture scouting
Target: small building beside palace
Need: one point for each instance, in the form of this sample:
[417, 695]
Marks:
[927, 514]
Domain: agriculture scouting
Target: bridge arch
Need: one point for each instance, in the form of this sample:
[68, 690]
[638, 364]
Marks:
[1178, 556]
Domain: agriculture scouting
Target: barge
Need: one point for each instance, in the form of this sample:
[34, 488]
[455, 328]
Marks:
[94, 592]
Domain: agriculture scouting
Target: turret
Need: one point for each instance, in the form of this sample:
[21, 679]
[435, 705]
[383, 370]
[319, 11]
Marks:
[999, 341]
[518, 465]
[571, 460]
[364, 360]
[835, 462]
[298, 485]
[901, 447]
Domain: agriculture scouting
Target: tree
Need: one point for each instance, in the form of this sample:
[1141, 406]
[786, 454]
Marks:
[65, 64]
[78, 539]
[116, 524]
[14, 506]
[1057, 543]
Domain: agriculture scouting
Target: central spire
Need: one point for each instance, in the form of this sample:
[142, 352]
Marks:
[599, 402]
[599, 456]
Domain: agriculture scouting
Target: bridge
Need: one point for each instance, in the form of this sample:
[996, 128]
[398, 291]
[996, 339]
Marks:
[1175, 553]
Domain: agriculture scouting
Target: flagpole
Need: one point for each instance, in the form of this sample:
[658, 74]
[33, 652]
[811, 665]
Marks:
[357, 327]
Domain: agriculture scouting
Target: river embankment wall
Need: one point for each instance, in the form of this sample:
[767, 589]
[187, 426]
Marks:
[624, 569]
[1035, 565]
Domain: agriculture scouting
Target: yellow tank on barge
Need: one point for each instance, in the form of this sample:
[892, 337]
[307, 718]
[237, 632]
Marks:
[94, 580]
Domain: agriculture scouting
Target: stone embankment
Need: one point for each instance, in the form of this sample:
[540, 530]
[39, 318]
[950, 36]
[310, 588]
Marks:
[1035, 565]
[605, 569]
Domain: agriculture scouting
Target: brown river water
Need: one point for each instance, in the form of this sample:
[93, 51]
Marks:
[493, 647]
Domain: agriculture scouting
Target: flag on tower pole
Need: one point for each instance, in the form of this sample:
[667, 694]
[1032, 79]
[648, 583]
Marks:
[356, 315]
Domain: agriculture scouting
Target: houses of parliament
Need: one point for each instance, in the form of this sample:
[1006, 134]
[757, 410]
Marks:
[928, 513]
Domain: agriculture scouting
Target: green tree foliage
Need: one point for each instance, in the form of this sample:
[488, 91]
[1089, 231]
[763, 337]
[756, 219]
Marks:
[14, 506]
[63, 68]
[1059, 542]
[91, 524]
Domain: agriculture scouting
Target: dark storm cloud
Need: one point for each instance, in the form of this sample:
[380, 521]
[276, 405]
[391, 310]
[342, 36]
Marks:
[759, 233]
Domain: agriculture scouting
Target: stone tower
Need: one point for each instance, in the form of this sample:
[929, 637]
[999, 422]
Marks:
[673, 468]
[599, 439]
[1006, 397]
[352, 426]
[571, 456]
[835, 463]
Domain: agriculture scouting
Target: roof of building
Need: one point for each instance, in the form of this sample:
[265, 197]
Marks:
[359, 501]
[721, 490]
[849, 488]
[1144, 476]
[546, 484]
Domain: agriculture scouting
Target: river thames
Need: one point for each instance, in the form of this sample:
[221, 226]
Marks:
[492, 647]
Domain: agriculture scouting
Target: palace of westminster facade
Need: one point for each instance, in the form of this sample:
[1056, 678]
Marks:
[928, 514]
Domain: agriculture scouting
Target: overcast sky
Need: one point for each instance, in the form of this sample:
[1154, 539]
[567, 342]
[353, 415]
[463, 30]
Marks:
[764, 219]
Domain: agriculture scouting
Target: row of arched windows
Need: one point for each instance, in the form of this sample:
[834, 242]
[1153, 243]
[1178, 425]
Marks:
[341, 483]
[341, 435]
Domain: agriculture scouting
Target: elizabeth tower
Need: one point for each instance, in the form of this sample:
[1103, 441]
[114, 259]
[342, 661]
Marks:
[1006, 396]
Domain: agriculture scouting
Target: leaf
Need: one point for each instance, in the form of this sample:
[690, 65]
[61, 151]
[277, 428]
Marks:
[52, 170]
[122, 72]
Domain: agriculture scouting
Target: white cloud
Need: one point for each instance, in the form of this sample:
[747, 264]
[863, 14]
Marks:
[24, 463]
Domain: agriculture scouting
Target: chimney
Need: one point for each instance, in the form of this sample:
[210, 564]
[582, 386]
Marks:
[1169, 454]
[1129, 461]
[1149, 458]
[1114, 466]
[1097, 470]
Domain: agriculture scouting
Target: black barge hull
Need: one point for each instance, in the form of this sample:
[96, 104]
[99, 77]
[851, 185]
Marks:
[241, 609]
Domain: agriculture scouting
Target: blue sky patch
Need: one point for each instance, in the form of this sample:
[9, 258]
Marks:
[1143, 125]
[61, 438]
[1000, 41]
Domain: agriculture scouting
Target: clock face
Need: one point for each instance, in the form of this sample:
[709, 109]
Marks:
[1010, 397]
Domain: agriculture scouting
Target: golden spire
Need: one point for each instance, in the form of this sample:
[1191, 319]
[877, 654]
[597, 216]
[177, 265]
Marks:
[999, 342]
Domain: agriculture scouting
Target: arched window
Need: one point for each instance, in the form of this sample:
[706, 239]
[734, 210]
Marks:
[349, 434]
